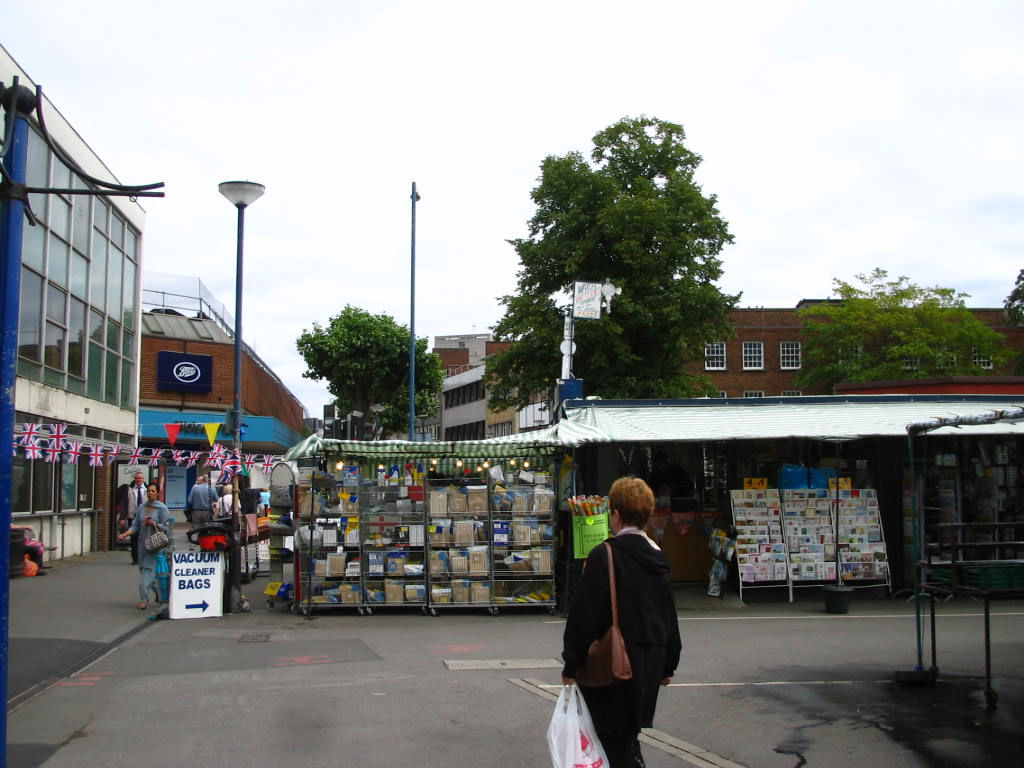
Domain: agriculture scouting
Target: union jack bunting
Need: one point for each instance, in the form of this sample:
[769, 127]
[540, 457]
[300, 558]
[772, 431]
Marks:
[177, 457]
[15, 448]
[217, 451]
[249, 461]
[72, 451]
[268, 464]
[95, 455]
[112, 452]
[154, 457]
[59, 432]
[227, 474]
[52, 450]
[137, 455]
[29, 433]
[193, 457]
[33, 450]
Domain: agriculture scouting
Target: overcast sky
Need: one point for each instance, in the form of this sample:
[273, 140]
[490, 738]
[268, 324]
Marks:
[837, 137]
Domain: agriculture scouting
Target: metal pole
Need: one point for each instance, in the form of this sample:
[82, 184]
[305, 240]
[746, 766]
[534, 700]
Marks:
[19, 103]
[412, 320]
[234, 557]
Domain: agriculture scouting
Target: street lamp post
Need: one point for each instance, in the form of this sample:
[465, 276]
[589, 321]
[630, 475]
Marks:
[240, 194]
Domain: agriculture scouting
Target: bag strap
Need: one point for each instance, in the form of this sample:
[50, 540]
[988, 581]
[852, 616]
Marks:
[611, 585]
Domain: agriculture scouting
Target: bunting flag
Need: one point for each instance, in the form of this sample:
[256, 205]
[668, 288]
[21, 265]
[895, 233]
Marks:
[211, 431]
[59, 432]
[95, 455]
[52, 450]
[172, 432]
[177, 457]
[112, 452]
[192, 458]
[72, 451]
[17, 444]
[33, 450]
[268, 464]
[154, 457]
[227, 474]
[29, 433]
[137, 456]
[249, 461]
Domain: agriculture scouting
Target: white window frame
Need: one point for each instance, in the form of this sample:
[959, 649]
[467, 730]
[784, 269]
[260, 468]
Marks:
[753, 393]
[790, 355]
[713, 351]
[722, 394]
[980, 361]
[753, 355]
[792, 393]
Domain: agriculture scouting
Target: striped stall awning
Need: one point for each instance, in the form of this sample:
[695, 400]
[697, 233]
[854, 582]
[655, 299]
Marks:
[540, 443]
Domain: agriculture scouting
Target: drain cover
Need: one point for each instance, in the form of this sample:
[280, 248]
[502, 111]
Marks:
[263, 637]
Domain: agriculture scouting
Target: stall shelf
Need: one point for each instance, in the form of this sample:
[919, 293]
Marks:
[281, 560]
[761, 555]
[393, 548]
[522, 546]
[458, 567]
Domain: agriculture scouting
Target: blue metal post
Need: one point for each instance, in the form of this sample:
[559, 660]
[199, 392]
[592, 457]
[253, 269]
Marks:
[19, 103]
[412, 322]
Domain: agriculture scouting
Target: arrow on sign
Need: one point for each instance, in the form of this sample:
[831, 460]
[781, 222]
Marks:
[204, 605]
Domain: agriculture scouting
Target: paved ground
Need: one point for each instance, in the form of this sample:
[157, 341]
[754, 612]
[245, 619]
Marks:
[95, 682]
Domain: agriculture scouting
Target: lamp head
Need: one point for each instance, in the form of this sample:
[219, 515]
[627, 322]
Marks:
[241, 193]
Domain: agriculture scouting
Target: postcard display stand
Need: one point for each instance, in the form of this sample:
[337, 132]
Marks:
[393, 532]
[490, 546]
[791, 541]
[761, 555]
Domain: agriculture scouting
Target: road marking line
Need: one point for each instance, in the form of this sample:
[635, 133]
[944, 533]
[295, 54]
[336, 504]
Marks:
[830, 617]
[463, 664]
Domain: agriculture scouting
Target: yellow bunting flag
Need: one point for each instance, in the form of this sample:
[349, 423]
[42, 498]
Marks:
[211, 431]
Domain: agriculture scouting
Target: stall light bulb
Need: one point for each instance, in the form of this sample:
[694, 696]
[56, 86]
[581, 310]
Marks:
[434, 462]
[380, 466]
[526, 465]
[512, 462]
[340, 465]
[479, 468]
[458, 463]
[486, 464]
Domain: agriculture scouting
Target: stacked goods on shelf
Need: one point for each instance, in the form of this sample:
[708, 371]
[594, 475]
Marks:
[521, 544]
[458, 570]
[861, 544]
[393, 533]
[760, 549]
[810, 534]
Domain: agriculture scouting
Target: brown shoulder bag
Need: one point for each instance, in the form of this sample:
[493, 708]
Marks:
[607, 661]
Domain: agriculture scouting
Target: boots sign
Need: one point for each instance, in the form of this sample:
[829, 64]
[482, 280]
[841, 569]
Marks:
[177, 372]
[197, 583]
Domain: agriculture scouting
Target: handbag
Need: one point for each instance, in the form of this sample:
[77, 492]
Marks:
[607, 661]
[156, 541]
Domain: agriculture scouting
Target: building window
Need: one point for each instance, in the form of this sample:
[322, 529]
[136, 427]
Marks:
[789, 355]
[753, 393]
[791, 393]
[722, 394]
[78, 264]
[980, 361]
[753, 355]
[714, 356]
[500, 429]
[910, 363]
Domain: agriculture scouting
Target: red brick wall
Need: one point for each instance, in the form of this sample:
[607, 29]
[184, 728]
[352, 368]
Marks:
[773, 326]
[261, 395]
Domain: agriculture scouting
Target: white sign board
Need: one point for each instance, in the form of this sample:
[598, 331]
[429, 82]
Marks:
[197, 583]
[586, 300]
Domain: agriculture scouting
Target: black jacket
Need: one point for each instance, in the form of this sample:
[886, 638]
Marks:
[647, 613]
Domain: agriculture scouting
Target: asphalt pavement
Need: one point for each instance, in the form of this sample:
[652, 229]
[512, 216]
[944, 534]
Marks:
[95, 682]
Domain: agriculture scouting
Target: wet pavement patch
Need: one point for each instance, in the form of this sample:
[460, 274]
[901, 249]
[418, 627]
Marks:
[34, 660]
[29, 755]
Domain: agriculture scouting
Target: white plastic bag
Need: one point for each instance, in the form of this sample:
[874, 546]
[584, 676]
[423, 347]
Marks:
[572, 740]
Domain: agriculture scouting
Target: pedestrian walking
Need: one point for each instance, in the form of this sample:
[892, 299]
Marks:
[647, 620]
[201, 501]
[150, 516]
[136, 498]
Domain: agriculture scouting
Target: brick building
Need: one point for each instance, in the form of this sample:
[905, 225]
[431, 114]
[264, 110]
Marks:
[765, 355]
[192, 336]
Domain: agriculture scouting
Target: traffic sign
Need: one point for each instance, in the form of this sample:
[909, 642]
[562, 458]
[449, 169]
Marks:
[197, 583]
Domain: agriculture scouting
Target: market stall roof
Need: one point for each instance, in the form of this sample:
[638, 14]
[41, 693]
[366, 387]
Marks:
[509, 446]
[822, 418]
[696, 420]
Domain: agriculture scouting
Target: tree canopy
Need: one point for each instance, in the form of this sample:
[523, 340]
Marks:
[364, 359]
[1014, 304]
[633, 216]
[887, 329]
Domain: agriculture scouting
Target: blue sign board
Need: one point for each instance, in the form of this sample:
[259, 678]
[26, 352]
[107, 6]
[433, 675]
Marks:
[178, 372]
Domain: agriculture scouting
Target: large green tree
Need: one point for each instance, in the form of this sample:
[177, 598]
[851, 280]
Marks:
[633, 216]
[364, 359]
[888, 328]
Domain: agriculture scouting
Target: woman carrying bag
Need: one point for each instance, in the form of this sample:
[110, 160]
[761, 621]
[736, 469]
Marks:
[151, 518]
[646, 618]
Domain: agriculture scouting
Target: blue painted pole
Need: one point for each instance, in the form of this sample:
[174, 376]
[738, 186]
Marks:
[19, 103]
[412, 322]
